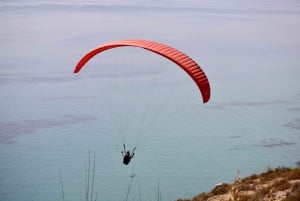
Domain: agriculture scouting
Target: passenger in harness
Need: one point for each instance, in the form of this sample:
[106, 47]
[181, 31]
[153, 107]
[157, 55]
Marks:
[127, 156]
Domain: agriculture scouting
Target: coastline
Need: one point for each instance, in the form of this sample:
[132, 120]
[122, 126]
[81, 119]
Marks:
[275, 184]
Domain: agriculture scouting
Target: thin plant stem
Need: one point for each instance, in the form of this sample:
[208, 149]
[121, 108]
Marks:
[128, 191]
[93, 177]
[88, 176]
[130, 183]
[158, 197]
[61, 186]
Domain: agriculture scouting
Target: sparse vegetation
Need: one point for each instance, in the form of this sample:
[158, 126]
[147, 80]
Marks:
[279, 184]
[220, 189]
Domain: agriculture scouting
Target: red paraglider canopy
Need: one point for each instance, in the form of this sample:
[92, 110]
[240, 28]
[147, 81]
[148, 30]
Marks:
[178, 57]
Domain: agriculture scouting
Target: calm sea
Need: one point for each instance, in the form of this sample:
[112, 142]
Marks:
[57, 129]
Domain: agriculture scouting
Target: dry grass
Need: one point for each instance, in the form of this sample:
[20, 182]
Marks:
[275, 184]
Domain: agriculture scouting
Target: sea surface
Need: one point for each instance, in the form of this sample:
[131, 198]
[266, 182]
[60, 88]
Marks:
[61, 134]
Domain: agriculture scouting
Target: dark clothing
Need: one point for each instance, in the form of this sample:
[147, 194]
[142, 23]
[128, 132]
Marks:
[127, 155]
[127, 158]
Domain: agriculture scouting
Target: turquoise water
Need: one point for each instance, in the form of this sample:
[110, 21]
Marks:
[51, 118]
